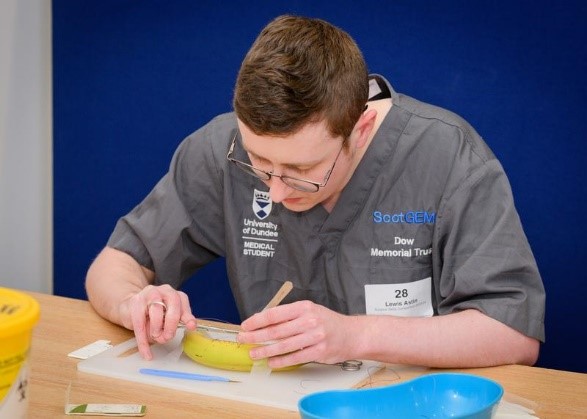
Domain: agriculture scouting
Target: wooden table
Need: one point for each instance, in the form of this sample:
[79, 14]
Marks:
[68, 324]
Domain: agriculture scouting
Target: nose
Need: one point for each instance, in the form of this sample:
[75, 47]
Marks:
[278, 190]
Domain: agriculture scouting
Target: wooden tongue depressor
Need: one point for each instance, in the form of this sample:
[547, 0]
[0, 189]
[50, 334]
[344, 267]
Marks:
[279, 295]
[260, 367]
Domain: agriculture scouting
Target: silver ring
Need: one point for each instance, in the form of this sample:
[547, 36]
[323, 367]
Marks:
[351, 365]
[159, 303]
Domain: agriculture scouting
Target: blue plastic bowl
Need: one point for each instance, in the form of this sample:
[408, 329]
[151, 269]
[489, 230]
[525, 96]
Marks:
[442, 395]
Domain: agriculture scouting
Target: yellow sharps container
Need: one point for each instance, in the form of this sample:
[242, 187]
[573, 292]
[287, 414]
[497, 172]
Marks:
[19, 314]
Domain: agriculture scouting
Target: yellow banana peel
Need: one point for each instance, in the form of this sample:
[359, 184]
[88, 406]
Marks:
[218, 353]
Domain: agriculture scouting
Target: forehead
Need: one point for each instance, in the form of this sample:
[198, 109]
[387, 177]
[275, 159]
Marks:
[310, 144]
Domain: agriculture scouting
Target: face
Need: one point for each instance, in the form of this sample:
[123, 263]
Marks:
[307, 154]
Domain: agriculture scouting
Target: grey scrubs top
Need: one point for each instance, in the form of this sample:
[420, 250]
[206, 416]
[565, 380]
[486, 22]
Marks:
[426, 226]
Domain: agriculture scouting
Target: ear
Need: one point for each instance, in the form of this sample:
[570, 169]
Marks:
[364, 127]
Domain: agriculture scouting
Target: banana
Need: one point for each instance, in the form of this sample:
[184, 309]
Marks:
[218, 353]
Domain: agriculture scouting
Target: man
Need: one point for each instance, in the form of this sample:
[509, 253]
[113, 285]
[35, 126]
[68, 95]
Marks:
[392, 218]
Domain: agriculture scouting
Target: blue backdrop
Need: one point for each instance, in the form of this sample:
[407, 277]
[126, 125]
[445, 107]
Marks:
[133, 78]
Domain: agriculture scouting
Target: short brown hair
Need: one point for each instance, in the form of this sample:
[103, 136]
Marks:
[301, 70]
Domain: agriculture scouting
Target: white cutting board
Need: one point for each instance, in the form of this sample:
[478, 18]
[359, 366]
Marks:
[279, 389]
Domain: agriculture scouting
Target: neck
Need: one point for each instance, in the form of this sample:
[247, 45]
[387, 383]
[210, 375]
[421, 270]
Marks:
[382, 107]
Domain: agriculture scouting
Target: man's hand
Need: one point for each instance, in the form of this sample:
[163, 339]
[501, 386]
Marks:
[154, 314]
[300, 332]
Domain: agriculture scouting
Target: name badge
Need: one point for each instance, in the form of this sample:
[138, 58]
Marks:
[411, 299]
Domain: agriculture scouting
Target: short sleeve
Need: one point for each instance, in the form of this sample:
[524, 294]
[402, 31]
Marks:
[484, 259]
[178, 227]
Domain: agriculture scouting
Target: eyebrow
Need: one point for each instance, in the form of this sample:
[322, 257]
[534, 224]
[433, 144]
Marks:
[293, 166]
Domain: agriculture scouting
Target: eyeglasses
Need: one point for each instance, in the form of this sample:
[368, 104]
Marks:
[295, 183]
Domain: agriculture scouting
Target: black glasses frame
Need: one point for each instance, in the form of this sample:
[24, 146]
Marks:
[303, 185]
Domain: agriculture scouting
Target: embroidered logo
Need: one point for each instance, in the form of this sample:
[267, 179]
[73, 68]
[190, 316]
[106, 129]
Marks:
[262, 204]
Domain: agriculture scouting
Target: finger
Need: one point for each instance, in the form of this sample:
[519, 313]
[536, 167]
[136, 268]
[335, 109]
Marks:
[297, 326]
[177, 310]
[269, 317]
[282, 347]
[268, 334]
[156, 311]
[173, 307]
[187, 318]
[143, 344]
[140, 327]
[276, 315]
[301, 356]
[163, 311]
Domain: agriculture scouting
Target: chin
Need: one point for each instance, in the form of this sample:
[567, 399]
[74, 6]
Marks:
[297, 205]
